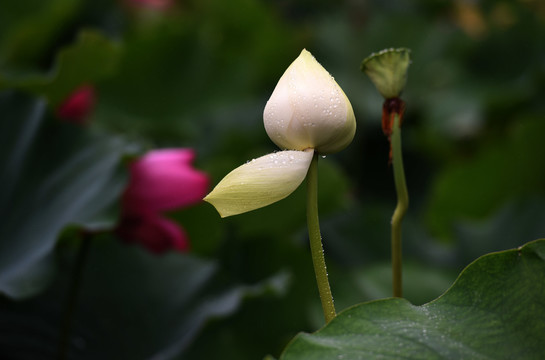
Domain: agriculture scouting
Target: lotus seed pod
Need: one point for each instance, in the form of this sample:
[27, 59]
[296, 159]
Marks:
[387, 69]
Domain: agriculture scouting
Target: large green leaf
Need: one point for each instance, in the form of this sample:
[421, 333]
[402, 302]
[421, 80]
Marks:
[28, 28]
[132, 305]
[90, 59]
[494, 310]
[53, 175]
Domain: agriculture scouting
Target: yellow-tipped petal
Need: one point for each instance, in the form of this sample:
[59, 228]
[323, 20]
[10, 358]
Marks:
[260, 182]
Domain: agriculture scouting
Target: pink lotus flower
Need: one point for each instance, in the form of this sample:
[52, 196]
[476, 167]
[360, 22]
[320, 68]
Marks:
[161, 180]
[154, 232]
[78, 105]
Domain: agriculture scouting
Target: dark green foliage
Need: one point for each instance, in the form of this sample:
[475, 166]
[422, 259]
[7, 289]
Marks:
[199, 76]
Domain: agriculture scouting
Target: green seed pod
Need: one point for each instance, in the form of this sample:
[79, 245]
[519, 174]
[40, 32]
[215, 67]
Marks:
[388, 70]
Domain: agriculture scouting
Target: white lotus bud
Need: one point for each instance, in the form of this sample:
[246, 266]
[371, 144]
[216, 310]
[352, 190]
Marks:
[260, 182]
[308, 109]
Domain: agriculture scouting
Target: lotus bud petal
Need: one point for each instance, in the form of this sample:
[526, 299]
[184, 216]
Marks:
[260, 182]
[388, 70]
[308, 109]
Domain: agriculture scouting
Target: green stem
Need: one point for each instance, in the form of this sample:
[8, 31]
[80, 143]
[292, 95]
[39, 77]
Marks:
[315, 237]
[72, 296]
[400, 210]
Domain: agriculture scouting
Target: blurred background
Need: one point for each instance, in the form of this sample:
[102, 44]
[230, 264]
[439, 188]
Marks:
[154, 74]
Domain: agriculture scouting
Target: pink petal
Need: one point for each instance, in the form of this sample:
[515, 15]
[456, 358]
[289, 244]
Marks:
[164, 180]
[78, 105]
[155, 233]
